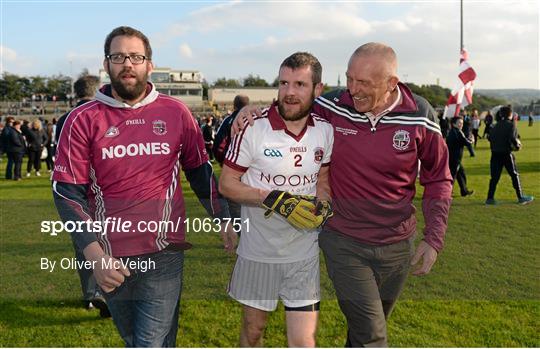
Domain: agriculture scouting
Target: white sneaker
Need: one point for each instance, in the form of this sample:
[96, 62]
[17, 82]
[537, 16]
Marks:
[28, 174]
[38, 174]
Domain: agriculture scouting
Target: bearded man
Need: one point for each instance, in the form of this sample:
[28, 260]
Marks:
[273, 167]
[118, 160]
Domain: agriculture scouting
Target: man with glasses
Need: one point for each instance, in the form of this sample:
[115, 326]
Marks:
[118, 160]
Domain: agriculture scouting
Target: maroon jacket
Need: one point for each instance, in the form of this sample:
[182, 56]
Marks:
[374, 170]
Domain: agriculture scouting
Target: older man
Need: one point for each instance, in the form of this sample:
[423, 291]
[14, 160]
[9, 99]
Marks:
[381, 131]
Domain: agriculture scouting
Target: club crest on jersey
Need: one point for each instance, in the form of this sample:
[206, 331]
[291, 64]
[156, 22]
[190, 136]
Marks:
[401, 140]
[159, 127]
[318, 152]
[112, 132]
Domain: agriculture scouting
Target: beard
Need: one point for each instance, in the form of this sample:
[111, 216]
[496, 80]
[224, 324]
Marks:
[289, 115]
[126, 91]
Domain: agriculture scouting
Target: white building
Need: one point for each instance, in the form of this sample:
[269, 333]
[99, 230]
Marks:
[257, 95]
[182, 84]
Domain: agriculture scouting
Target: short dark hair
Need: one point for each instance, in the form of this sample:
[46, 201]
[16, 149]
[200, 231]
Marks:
[304, 59]
[504, 112]
[240, 101]
[86, 86]
[128, 31]
[455, 119]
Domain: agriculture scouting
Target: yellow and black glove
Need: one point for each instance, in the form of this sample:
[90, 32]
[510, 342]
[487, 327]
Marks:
[324, 210]
[297, 209]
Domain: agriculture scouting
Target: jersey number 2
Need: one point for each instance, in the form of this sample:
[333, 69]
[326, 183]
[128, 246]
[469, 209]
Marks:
[297, 159]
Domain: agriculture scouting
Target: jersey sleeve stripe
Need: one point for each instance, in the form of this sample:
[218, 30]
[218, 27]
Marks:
[100, 211]
[73, 201]
[340, 110]
[235, 166]
[412, 122]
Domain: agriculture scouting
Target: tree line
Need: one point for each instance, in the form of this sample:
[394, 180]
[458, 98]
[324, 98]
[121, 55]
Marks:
[15, 88]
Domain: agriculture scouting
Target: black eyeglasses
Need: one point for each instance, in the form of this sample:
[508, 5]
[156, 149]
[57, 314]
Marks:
[119, 58]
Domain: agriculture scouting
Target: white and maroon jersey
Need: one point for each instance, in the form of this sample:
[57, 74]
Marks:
[272, 158]
[130, 157]
[375, 167]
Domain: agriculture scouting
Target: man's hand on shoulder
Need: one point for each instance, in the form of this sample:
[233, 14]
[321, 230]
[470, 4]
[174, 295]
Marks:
[428, 255]
[245, 114]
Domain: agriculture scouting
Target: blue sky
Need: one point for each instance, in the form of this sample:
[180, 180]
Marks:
[236, 38]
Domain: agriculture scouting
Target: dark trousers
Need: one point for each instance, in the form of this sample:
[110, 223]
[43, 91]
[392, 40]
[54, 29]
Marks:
[486, 130]
[508, 161]
[9, 166]
[458, 173]
[34, 159]
[368, 280]
[208, 147]
[49, 160]
[475, 132]
[17, 164]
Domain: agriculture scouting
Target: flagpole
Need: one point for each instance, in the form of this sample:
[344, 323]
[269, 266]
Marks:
[461, 23]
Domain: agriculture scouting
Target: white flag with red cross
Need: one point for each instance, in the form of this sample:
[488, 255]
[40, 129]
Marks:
[461, 95]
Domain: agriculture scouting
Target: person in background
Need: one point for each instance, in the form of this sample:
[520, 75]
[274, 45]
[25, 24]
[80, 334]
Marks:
[443, 123]
[475, 126]
[455, 141]
[36, 139]
[488, 122]
[223, 140]
[49, 145]
[467, 123]
[85, 89]
[503, 140]
[531, 119]
[4, 139]
[16, 147]
[208, 135]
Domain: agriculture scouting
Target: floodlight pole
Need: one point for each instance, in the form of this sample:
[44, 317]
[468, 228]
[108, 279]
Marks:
[461, 24]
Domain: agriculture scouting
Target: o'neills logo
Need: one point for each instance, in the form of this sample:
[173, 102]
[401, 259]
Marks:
[139, 149]
[401, 140]
[159, 127]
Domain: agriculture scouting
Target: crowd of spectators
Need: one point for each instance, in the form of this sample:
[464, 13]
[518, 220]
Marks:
[32, 138]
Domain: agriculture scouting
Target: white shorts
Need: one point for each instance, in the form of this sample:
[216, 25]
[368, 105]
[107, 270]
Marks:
[261, 285]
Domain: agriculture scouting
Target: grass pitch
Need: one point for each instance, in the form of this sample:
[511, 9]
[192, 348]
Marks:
[484, 290]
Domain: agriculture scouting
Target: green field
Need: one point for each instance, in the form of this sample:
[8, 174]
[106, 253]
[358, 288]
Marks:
[484, 290]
